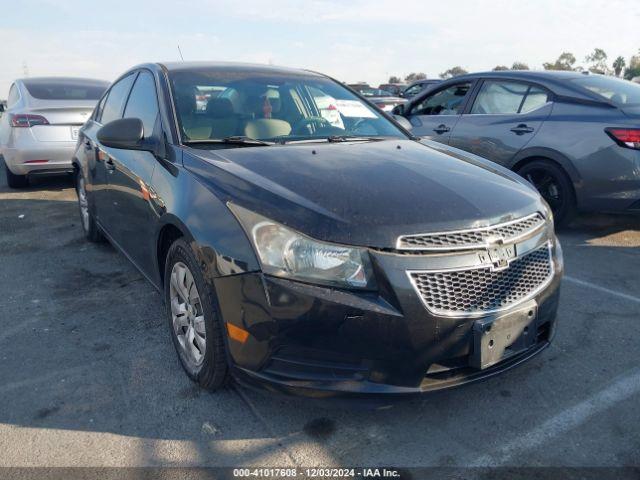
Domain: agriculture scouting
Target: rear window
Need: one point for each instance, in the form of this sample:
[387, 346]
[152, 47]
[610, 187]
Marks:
[619, 92]
[64, 90]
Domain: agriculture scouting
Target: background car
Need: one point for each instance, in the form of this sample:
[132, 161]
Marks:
[393, 88]
[418, 86]
[575, 136]
[39, 129]
[382, 99]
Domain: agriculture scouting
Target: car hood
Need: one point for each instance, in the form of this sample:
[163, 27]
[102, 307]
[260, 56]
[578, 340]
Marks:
[364, 193]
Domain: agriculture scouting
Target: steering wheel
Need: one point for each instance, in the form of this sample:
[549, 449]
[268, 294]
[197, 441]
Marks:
[318, 122]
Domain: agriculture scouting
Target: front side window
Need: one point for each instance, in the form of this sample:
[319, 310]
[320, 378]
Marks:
[448, 101]
[115, 100]
[143, 103]
[271, 106]
[619, 92]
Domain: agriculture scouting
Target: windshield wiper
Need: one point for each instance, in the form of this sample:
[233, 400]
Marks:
[332, 139]
[232, 140]
[355, 138]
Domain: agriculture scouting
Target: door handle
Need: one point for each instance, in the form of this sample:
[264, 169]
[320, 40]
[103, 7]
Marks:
[442, 128]
[522, 129]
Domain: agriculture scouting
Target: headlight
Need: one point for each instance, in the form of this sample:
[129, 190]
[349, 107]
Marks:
[286, 253]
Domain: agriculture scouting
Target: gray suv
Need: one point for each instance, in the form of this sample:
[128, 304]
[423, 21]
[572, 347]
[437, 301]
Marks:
[575, 136]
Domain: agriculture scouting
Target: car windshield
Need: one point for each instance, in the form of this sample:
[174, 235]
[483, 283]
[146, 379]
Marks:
[374, 92]
[65, 89]
[218, 104]
[619, 92]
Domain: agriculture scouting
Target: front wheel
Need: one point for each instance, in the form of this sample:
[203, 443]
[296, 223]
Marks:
[194, 319]
[555, 187]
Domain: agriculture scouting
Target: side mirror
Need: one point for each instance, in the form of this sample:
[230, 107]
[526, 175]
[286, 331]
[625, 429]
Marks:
[124, 133]
[398, 109]
[406, 124]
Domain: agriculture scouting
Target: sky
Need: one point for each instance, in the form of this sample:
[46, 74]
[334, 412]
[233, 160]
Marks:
[350, 40]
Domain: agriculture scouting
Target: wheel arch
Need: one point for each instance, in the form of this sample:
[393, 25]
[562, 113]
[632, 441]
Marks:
[540, 153]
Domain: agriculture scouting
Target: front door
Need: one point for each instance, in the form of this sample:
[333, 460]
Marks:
[133, 219]
[435, 115]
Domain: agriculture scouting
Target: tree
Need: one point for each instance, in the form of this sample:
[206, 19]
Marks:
[412, 77]
[564, 62]
[618, 65]
[499, 68]
[394, 79]
[519, 66]
[453, 72]
[633, 70]
[598, 61]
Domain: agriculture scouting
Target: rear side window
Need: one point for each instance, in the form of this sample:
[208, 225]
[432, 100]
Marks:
[536, 97]
[444, 102]
[143, 103]
[619, 92]
[64, 89]
[508, 98]
[115, 100]
[13, 96]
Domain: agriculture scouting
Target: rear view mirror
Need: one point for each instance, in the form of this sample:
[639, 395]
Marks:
[124, 133]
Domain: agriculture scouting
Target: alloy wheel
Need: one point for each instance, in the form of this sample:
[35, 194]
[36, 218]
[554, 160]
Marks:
[549, 187]
[84, 204]
[187, 314]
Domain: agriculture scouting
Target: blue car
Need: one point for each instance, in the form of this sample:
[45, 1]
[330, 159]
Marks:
[575, 136]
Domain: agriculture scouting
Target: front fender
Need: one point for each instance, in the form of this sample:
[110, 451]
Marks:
[217, 239]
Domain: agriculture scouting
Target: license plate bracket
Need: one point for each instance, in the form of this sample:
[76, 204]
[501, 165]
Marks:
[497, 338]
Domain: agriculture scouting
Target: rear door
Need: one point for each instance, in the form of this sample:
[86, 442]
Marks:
[132, 219]
[435, 115]
[504, 116]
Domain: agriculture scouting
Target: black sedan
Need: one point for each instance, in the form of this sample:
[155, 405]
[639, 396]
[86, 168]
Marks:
[307, 243]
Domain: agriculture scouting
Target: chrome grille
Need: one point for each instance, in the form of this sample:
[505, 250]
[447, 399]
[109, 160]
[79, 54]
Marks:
[482, 290]
[472, 238]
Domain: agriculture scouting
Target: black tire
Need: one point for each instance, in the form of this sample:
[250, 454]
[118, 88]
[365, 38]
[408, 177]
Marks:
[89, 225]
[555, 186]
[213, 372]
[16, 181]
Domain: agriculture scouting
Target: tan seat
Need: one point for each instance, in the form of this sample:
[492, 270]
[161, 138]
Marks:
[266, 128]
[222, 119]
[194, 125]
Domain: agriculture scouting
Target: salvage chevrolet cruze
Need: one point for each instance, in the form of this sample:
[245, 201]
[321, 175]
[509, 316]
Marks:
[305, 242]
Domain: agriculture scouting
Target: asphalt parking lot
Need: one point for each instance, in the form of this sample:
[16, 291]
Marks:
[89, 376]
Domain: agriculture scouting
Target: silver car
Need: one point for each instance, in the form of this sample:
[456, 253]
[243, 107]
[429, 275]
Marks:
[39, 128]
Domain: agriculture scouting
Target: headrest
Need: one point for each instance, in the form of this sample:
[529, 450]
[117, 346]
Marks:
[186, 103]
[219, 108]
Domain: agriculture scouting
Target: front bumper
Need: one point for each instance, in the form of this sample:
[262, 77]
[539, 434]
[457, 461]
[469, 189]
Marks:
[321, 342]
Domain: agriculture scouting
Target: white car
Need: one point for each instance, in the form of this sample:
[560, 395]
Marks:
[39, 129]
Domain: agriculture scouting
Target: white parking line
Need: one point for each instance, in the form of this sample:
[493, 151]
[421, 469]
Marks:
[573, 417]
[577, 281]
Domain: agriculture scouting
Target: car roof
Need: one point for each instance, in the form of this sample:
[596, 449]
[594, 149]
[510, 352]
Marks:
[233, 66]
[72, 80]
[528, 74]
